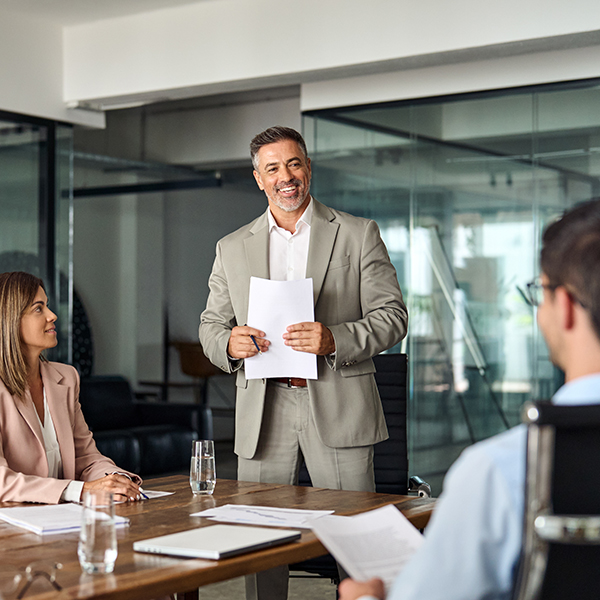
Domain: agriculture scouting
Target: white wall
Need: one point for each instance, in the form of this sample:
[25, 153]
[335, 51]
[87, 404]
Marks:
[225, 45]
[195, 221]
[31, 70]
[105, 278]
[429, 48]
[118, 271]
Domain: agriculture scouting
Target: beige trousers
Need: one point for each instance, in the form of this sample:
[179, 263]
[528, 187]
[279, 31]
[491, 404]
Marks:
[288, 433]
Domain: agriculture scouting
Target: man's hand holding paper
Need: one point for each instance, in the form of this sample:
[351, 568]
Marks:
[313, 337]
[241, 344]
[275, 308]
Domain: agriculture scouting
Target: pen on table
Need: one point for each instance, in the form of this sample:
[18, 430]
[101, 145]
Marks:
[254, 340]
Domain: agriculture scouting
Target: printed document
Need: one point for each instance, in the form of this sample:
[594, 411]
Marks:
[273, 306]
[263, 515]
[377, 543]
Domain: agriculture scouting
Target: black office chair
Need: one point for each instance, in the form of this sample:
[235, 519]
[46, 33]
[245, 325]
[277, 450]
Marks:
[561, 537]
[390, 459]
[147, 438]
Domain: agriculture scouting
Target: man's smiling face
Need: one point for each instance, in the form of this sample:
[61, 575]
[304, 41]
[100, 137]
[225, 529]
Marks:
[284, 175]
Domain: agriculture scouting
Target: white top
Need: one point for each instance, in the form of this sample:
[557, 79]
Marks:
[50, 442]
[72, 492]
[473, 542]
[288, 252]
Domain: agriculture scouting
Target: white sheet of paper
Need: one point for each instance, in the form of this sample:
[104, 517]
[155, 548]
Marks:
[262, 515]
[377, 543]
[274, 305]
[156, 494]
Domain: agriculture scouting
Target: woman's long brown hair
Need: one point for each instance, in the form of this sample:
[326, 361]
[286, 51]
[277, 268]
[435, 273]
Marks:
[17, 293]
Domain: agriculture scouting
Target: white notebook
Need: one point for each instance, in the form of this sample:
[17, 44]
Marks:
[216, 541]
[53, 518]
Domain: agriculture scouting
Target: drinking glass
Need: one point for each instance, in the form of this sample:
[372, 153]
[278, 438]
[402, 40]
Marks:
[97, 548]
[203, 475]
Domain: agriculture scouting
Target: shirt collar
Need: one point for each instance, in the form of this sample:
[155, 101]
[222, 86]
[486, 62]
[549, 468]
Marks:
[583, 390]
[306, 216]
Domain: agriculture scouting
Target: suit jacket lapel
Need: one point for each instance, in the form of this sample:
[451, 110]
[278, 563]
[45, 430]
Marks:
[27, 410]
[323, 231]
[257, 256]
[257, 248]
[57, 398]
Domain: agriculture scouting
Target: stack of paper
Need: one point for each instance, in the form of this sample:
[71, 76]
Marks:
[47, 519]
[273, 305]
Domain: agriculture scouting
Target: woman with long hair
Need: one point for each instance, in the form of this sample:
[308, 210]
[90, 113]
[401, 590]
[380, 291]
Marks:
[47, 452]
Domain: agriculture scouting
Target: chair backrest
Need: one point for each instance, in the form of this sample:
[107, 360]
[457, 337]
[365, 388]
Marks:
[193, 361]
[391, 456]
[107, 402]
[561, 537]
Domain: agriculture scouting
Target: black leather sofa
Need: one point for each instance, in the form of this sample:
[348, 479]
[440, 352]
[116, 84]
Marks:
[147, 438]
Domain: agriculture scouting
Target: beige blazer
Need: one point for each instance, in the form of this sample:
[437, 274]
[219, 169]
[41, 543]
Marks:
[23, 463]
[356, 295]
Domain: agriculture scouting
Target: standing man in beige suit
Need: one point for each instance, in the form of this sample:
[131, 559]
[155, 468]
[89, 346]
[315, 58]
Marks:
[332, 421]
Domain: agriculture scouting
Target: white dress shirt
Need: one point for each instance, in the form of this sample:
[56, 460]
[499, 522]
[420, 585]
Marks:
[288, 252]
[473, 543]
[72, 492]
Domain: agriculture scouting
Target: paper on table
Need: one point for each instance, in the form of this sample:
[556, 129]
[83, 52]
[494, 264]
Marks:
[377, 543]
[149, 495]
[156, 494]
[274, 305]
[263, 515]
[49, 519]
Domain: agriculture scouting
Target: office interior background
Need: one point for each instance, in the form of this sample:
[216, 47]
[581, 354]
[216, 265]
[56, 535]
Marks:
[461, 128]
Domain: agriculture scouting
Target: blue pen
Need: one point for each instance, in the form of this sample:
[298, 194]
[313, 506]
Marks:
[254, 340]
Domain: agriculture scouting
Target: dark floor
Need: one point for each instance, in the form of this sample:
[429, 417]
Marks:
[301, 588]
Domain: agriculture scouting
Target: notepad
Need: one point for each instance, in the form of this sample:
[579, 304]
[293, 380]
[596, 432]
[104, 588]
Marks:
[49, 519]
[216, 541]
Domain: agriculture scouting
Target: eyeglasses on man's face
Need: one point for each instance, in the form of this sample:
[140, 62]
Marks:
[535, 292]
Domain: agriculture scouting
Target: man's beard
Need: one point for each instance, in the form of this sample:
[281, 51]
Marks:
[293, 202]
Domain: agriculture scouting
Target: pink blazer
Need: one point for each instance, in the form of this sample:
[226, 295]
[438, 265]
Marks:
[23, 463]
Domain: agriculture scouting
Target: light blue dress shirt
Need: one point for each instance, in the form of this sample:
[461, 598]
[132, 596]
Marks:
[473, 542]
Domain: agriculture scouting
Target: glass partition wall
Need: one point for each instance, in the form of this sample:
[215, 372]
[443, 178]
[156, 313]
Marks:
[36, 211]
[461, 189]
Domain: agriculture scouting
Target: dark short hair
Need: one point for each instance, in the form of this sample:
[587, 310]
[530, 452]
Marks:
[273, 135]
[571, 255]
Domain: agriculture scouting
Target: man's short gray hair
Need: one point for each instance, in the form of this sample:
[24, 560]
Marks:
[273, 135]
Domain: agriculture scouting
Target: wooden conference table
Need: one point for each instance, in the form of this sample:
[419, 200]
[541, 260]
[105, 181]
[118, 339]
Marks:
[139, 576]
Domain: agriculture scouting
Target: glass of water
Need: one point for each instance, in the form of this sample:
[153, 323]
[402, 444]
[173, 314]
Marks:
[203, 474]
[97, 550]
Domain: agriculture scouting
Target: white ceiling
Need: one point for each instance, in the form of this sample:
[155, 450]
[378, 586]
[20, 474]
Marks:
[71, 12]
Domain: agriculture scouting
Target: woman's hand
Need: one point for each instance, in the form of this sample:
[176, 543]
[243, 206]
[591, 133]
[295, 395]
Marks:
[121, 486]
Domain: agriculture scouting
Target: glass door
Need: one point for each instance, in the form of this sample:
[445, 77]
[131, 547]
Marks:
[35, 211]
